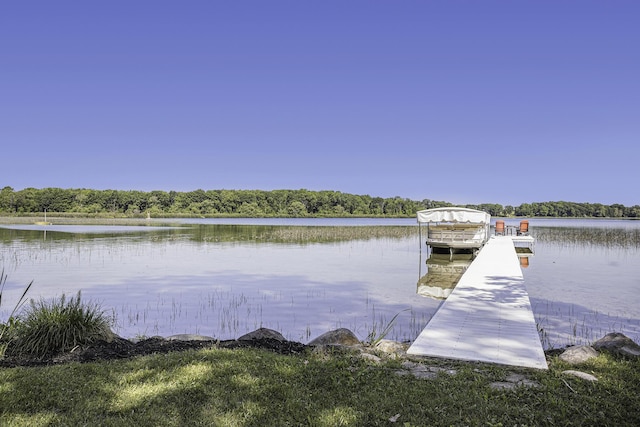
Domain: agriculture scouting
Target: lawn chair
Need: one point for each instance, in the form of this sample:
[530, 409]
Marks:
[523, 230]
[499, 228]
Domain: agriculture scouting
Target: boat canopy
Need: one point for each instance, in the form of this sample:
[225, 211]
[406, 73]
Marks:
[455, 215]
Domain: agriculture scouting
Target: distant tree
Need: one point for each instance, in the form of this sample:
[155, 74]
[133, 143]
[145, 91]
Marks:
[250, 210]
[524, 210]
[270, 203]
[297, 209]
[616, 210]
[7, 200]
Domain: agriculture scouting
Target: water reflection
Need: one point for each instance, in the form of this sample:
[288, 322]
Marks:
[444, 270]
[227, 279]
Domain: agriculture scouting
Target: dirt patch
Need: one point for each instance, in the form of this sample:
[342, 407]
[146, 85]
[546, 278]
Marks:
[121, 348]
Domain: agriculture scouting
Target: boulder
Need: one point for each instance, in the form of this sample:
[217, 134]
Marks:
[340, 336]
[616, 342]
[578, 354]
[262, 333]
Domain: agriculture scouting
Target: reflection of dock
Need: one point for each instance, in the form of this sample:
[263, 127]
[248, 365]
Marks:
[488, 316]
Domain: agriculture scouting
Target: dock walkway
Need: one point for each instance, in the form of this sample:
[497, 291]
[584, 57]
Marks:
[488, 316]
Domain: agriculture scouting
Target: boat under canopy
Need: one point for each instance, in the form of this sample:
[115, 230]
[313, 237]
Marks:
[455, 227]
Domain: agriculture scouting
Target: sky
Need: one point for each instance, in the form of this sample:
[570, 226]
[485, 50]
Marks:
[478, 101]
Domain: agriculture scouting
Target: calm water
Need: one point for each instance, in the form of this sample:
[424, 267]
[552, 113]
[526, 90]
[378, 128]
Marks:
[227, 277]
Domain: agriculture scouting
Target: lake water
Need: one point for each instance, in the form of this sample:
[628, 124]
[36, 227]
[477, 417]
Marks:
[226, 277]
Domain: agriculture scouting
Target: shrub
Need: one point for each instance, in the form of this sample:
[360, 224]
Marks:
[48, 328]
[7, 330]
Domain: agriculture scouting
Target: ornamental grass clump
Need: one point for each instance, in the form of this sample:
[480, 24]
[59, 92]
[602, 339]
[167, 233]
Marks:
[51, 327]
[7, 329]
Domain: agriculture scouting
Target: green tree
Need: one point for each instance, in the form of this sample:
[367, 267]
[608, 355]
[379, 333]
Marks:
[7, 200]
[250, 210]
[297, 209]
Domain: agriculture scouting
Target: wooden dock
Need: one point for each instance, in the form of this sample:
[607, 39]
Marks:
[488, 316]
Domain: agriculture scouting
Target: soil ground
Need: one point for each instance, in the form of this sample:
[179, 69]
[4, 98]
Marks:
[121, 348]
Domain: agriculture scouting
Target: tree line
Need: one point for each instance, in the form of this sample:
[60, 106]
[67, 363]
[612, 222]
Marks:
[260, 203]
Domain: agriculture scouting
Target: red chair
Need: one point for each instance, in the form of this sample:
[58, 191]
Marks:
[499, 228]
[523, 230]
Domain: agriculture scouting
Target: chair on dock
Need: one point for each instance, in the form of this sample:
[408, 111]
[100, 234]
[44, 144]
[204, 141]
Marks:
[499, 228]
[523, 230]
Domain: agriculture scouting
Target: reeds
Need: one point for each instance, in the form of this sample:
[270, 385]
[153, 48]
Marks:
[613, 238]
[7, 329]
[561, 325]
[299, 234]
[59, 325]
[375, 336]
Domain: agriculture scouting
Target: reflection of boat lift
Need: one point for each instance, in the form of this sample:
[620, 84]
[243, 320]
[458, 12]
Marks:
[443, 272]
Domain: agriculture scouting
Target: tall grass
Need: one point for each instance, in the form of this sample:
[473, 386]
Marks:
[376, 336]
[59, 325]
[7, 329]
[299, 234]
[622, 238]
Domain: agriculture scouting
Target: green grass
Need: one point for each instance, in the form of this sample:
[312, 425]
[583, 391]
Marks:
[8, 327]
[56, 326]
[251, 387]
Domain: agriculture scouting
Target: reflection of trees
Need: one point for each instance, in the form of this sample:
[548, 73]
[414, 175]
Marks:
[230, 233]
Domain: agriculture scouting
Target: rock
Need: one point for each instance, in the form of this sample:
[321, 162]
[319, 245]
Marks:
[512, 382]
[340, 336]
[423, 372]
[582, 375]
[189, 337]
[392, 347]
[262, 333]
[616, 342]
[371, 357]
[578, 354]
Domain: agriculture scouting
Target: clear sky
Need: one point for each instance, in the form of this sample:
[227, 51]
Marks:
[475, 101]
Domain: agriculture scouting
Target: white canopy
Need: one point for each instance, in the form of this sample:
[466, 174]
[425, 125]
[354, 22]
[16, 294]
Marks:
[454, 214]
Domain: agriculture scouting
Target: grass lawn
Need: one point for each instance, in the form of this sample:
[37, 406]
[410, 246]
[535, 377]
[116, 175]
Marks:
[254, 387]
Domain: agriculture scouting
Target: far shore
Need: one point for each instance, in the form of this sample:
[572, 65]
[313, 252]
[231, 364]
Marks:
[103, 219]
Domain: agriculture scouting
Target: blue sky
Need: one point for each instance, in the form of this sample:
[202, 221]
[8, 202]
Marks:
[465, 101]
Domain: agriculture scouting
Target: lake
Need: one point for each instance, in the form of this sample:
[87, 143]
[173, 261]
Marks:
[303, 277]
